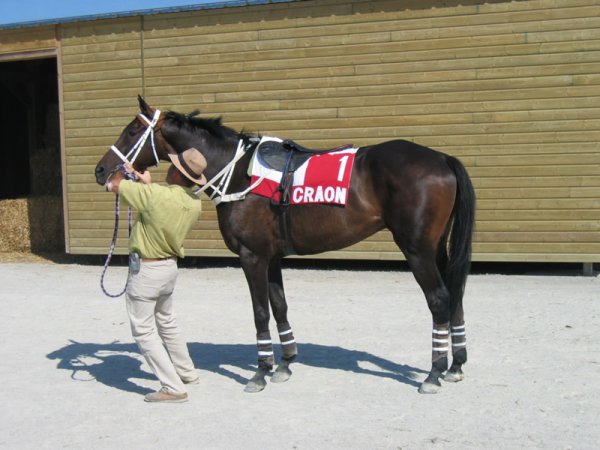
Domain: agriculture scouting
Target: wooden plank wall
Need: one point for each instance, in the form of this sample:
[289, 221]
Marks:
[102, 75]
[511, 88]
[22, 43]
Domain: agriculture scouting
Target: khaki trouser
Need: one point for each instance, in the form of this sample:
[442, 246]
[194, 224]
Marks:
[154, 325]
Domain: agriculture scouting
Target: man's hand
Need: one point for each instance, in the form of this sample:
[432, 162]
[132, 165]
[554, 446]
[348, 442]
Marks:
[144, 176]
[112, 184]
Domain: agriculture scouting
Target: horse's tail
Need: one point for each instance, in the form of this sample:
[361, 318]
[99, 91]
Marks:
[461, 237]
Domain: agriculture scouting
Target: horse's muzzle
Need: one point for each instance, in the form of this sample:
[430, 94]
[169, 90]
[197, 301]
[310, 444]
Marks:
[101, 175]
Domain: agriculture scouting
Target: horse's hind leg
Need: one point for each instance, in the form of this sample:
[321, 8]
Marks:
[424, 267]
[289, 349]
[459, 344]
[457, 322]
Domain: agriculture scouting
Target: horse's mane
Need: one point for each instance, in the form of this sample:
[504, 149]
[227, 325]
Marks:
[194, 124]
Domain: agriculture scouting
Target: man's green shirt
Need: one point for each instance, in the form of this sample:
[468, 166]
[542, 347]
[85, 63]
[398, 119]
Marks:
[165, 215]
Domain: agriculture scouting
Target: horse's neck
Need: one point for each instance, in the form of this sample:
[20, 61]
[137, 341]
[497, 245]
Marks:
[219, 157]
[241, 177]
[227, 171]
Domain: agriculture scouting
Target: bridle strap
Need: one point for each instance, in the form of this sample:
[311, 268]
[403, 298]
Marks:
[132, 155]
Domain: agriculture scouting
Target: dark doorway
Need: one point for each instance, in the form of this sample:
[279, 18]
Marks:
[30, 163]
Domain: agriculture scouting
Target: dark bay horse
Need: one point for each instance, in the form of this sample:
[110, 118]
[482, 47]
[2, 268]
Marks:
[424, 197]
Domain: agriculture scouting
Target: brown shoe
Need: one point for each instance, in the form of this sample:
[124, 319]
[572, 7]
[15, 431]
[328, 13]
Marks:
[165, 396]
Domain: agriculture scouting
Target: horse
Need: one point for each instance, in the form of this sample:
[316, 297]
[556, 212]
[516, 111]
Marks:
[424, 197]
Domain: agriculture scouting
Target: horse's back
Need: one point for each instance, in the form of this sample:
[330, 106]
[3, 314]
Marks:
[401, 153]
[386, 179]
[402, 165]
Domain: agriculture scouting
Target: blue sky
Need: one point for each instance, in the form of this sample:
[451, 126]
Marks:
[13, 11]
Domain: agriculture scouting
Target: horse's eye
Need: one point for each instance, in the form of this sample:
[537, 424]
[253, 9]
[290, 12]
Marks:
[133, 130]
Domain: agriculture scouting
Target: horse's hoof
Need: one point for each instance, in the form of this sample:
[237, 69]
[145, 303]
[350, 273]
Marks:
[454, 377]
[282, 374]
[429, 388]
[254, 386]
[257, 383]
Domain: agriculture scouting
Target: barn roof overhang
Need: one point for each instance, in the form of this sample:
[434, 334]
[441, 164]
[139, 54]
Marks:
[144, 12]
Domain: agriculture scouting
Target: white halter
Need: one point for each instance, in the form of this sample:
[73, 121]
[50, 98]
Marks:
[135, 150]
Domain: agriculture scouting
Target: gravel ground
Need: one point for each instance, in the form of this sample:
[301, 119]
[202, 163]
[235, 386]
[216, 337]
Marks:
[72, 376]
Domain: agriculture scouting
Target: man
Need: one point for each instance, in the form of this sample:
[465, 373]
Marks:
[165, 216]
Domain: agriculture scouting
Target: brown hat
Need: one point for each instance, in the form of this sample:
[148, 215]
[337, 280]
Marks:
[191, 163]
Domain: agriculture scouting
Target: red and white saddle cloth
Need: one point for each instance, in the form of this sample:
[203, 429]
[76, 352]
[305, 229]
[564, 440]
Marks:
[323, 178]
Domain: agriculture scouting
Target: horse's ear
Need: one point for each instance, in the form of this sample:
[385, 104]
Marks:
[144, 107]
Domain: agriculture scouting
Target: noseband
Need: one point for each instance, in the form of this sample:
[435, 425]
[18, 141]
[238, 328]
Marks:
[137, 148]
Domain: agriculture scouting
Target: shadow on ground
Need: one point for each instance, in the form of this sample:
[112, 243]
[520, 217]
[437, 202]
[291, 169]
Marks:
[118, 364]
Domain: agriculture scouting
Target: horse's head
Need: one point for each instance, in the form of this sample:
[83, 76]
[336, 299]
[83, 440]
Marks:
[138, 144]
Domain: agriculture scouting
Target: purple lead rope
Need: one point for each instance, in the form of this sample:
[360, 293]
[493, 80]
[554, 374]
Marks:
[112, 249]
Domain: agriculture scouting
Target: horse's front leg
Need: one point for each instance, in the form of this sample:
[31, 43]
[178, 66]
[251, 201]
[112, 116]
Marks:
[289, 349]
[255, 270]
